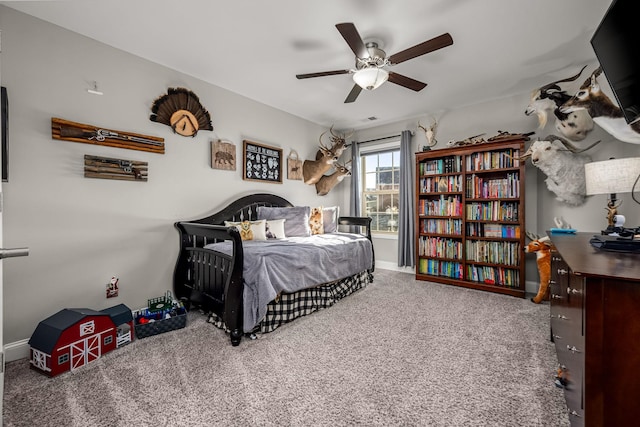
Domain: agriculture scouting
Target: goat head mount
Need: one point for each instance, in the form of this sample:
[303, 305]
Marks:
[604, 112]
[548, 99]
[180, 109]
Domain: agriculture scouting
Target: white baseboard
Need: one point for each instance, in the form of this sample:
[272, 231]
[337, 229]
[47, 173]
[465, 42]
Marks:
[387, 265]
[16, 350]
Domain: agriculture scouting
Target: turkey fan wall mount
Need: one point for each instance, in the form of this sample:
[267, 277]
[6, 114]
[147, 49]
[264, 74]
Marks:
[371, 62]
[180, 109]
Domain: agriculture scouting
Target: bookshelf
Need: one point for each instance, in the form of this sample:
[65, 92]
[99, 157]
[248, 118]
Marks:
[470, 217]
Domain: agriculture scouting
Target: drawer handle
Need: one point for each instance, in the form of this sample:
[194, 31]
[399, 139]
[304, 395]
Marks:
[552, 282]
[560, 316]
[557, 337]
[573, 349]
[574, 291]
[556, 296]
[562, 271]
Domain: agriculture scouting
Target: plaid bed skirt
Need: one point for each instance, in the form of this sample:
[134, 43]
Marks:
[288, 307]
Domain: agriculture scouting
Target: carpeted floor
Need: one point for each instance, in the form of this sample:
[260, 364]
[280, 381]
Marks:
[396, 353]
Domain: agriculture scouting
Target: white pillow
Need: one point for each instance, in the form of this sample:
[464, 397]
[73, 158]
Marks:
[275, 229]
[250, 230]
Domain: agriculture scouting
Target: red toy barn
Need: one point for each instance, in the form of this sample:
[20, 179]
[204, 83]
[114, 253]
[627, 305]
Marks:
[74, 337]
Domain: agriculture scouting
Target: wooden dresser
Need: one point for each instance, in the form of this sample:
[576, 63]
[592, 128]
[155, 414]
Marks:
[595, 325]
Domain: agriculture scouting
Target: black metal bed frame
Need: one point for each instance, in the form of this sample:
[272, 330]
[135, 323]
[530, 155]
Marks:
[213, 280]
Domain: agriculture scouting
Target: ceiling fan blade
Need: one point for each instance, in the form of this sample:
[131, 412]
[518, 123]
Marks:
[353, 39]
[436, 43]
[407, 82]
[322, 74]
[353, 94]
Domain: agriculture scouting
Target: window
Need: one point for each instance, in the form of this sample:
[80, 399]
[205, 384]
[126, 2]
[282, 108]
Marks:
[380, 187]
[63, 358]
[108, 340]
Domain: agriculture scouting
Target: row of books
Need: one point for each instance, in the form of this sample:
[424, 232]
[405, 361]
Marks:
[494, 275]
[441, 226]
[493, 160]
[441, 184]
[480, 229]
[439, 247]
[506, 253]
[492, 211]
[478, 187]
[440, 268]
[442, 206]
[443, 165]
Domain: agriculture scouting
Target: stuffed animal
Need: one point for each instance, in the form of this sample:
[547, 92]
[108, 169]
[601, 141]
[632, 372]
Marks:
[542, 247]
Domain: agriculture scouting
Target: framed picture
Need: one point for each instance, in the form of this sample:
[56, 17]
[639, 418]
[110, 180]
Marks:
[294, 166]
[261, 162]
[223, 155]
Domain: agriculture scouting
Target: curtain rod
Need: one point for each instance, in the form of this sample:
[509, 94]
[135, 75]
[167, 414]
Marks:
[379, 139]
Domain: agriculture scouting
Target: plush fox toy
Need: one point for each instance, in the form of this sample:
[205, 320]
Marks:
[542, 247]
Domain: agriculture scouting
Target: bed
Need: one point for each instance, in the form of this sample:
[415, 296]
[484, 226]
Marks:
[255, 286]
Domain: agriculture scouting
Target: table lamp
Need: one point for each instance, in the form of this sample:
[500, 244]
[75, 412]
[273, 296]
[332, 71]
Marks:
[611, 177]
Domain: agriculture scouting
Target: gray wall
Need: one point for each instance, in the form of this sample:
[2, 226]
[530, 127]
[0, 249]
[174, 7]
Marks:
[83, 231]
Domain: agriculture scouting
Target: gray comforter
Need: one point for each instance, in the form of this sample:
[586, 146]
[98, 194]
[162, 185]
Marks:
[287, 265]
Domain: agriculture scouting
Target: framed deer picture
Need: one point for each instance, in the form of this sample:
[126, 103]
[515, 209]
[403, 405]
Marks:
[261, 162]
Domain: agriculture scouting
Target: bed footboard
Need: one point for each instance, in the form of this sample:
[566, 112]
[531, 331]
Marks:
[359, 225]
[210, 279]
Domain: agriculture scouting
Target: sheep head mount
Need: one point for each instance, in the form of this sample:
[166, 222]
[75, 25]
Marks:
[563, 164]
[180, 109]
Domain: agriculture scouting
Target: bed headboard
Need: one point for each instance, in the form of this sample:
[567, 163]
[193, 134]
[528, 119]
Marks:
[244, 208]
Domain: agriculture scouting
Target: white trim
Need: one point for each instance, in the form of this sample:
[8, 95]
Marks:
[387, 265]
[385, 236]
[16, 350]
[372, 147]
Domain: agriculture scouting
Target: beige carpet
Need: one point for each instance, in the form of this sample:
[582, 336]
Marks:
[396, 353]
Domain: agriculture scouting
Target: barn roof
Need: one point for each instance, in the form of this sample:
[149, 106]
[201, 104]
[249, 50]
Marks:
[48, 331]
[119, 313]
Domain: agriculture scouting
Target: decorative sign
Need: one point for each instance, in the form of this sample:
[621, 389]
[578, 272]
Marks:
[223, 155]
[261, 162]
[294, 166]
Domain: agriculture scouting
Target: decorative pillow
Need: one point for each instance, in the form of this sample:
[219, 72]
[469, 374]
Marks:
[275, 229]
[315, 221]
[330, 218]
[297, 219]
[250, 230]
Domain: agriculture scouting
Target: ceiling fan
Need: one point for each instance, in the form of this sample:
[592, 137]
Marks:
[371, 61]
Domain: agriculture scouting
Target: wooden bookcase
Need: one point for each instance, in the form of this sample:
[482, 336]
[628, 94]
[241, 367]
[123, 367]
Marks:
[470, 217]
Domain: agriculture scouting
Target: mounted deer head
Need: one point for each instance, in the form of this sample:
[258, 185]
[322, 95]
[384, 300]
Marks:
[313, 170]
[327, 182]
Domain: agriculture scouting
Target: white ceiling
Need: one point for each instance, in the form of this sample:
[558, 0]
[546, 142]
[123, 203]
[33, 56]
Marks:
[255, 48]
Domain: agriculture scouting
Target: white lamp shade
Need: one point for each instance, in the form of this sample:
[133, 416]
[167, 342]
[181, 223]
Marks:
[370, 78]
[612, 176]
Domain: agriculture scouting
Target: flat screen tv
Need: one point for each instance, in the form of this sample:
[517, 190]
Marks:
[616, 43]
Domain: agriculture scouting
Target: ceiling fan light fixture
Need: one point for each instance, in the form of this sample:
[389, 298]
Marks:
[370, 78]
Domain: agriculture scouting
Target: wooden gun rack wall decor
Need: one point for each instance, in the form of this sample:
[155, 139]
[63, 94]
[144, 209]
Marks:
[89, 134]
[109, 168]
